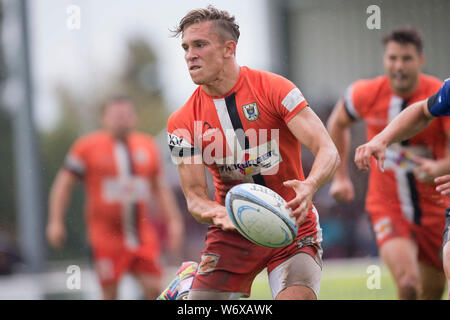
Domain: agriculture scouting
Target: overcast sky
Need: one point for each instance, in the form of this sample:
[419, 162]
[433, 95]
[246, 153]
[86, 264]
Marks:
[60, 54]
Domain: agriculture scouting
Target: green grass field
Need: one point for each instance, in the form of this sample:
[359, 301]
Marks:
[342, 280]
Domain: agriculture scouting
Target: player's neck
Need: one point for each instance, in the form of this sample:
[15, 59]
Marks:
[119, 137]
[224, 82]
[407, 92]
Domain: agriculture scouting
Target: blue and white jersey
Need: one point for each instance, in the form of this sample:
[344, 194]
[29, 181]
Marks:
[439, 103]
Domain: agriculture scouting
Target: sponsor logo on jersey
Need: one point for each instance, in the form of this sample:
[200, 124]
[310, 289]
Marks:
[208, 263]
[125, 189]
[383, 228]
[257, 160]
[251, 111]
[174, 140]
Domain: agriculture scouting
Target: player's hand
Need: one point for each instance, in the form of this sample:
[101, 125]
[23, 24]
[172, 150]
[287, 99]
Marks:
[220, 218]
[426, 171]
[364, 153]
[56, 234]
[302, 201]
[342, 189]
[443, 183]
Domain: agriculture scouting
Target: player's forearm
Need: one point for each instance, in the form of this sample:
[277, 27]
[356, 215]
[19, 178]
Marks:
[442, 166]
[168, 203]
[60, 195]
[341, 137]
[325, 164]
[58, 202]
[407, 124]
[198, 203]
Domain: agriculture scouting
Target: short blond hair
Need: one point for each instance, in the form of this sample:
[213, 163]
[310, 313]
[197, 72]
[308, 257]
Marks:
[225, 23]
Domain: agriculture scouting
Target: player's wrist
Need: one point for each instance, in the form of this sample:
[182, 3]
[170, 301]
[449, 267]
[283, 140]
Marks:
[313, 184]
[381, 140]
[341, 175]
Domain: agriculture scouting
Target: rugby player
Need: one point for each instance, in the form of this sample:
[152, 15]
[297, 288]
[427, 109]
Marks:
[407, 124]
[403, 205]
[246, 125]
[121, 169]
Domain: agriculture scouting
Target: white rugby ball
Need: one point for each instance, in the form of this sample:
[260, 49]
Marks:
[260, 215]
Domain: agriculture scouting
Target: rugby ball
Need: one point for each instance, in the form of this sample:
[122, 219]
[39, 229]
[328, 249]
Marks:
[260, 215]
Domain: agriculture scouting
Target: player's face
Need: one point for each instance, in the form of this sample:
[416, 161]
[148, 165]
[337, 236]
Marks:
[119, 118]
[204, 52]
[402, 63]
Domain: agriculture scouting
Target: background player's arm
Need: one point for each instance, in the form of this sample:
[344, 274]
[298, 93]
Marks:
[172, 214]
[310, 131]
[407, 124]
[429, 169]
[338, 125]
[60, 195]
[195, 189]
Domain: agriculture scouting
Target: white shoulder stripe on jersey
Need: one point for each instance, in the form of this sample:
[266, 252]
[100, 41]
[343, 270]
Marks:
[349, 104]
[293, 99]
[75, 164]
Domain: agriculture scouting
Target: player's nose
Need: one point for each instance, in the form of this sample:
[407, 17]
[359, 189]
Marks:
[190, 55]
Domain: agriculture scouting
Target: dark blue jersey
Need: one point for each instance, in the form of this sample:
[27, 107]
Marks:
[439, 103]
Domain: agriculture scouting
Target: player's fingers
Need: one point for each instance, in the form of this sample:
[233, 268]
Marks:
[443, 187]
[367, 156]
[290, 183]
[294, 202]
[442, 179]
[228, 227]
[300, 209]
[358, 157]
[208, 214]
[226, 224]
[445, 192]
[419, 160]
[380, 162]
[301, 218]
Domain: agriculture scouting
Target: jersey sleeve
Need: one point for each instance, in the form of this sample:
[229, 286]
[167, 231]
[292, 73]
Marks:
[357, 99]
[439, 103]
[286, 97]
[180, 137]
[76, 158]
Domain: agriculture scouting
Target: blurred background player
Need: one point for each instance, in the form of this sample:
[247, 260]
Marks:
[404, 208]
[122, 173]
[230, 102]
[407, 124]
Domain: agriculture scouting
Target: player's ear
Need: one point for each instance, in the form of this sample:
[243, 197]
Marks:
[230, 49]
[423, 59]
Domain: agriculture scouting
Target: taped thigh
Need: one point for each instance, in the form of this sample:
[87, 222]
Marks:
[299, 270]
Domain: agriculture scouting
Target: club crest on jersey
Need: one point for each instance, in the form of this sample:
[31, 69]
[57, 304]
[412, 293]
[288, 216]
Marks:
[251, 112]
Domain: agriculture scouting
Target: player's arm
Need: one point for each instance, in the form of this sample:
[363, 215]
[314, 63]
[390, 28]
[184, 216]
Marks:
[338, 125]
[172, 214]
[59, 198]
[195, 189]
[310, 131]
[407, 124]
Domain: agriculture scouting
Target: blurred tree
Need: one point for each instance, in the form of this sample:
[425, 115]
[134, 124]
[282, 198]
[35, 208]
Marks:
[138, 79]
